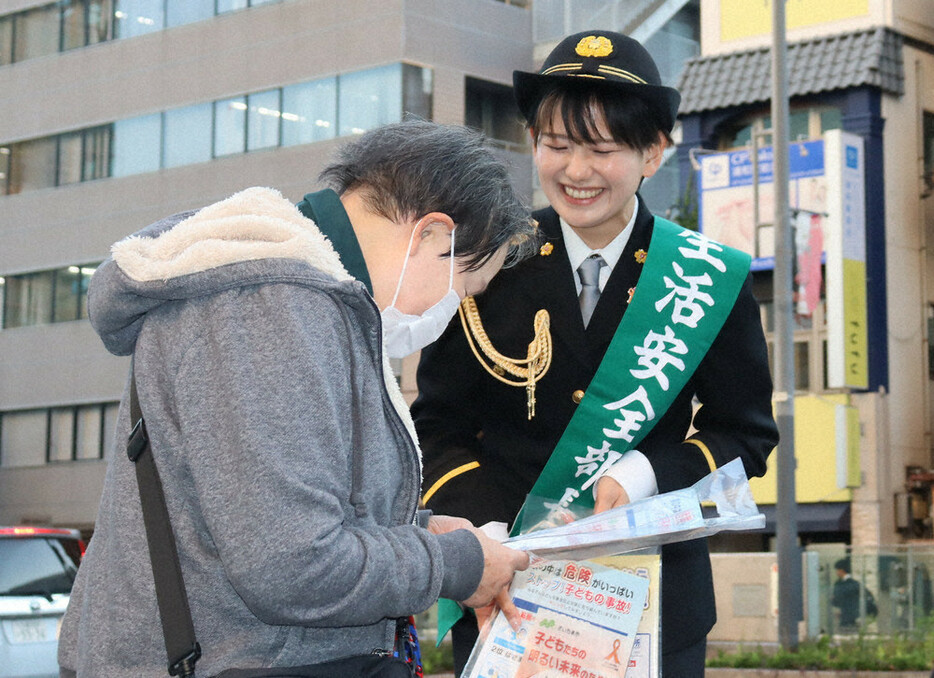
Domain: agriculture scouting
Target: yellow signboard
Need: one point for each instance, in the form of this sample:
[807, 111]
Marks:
[746, 18]
[826, 452]
[854, 312]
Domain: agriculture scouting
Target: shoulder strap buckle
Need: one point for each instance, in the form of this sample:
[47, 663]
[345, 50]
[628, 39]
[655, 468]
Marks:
[186, 665]
[138, 441]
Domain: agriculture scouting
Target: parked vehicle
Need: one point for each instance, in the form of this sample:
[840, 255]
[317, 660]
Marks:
[37, 569]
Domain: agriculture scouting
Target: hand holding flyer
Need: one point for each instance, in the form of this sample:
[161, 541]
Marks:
[578, 619]
[662, 519]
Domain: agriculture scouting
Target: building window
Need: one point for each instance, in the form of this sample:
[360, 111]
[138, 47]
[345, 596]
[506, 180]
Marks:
[28, 299]
[108, 434]
[930, 337]
[927, 135]
[86, 22]
[4, 169]
[36, 33]
[178, 12]
[804, 123]
[70, 158]
[229, 126]
[61, 434]
[6, 40]
[67, 295]
[33, 165]
[96, 153]
[60, 160]
[71, 24]
[45, 296]
[58, 434]
[491, 108]
[187, 135]
[224, 6]
[89, 440]
[137, 145]
[417, 90]
[810, 339]
[296, 114]
[263, 117]
[74, 24]
[368, 99]
[138, 17]
[100, 14]
[309, 112]
[23, 438]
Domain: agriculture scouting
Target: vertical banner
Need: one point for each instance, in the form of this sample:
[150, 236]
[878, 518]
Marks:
[848, 345]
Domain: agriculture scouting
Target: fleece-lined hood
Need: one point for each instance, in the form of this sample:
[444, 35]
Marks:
[253, 236]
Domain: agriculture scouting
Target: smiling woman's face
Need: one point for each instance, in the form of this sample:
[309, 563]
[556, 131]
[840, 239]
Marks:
[592, 186]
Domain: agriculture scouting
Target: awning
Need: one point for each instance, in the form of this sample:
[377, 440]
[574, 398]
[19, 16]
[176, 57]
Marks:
[833, 62]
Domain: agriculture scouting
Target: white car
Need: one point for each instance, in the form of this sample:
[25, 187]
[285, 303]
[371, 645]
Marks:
[37, 569]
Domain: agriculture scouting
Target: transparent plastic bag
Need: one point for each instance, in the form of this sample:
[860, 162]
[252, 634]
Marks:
[662, 519]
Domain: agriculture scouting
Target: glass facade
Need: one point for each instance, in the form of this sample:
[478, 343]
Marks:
[187, 135]
[36, 33]
[137, 145]
[23, 438]
[263, 116]
[27, 299]
[178, 12]
[224, 6]
[57, 434]
[138, 17]
[296, 114]
[70, 24]
[229, 126]
[69, 158]
[368, 99]
[44, 297]
[33, 165]
[309, 112]
[6, 40]
[491, 108]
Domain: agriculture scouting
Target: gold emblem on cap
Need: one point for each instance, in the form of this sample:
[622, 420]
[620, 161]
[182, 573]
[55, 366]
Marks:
[594, 46]
[546, 249]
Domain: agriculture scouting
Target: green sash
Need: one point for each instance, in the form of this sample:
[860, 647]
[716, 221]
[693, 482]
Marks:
[685, 293]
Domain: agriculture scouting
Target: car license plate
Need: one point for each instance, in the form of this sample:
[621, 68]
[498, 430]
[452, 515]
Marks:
[28, 631]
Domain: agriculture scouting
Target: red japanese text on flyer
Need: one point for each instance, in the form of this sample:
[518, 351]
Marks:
[578, 619]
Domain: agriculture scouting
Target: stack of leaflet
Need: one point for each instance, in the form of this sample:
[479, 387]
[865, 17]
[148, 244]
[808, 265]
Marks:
[662, 519]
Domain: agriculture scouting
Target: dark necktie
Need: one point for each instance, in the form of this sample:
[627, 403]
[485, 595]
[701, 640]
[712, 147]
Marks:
[589, 272]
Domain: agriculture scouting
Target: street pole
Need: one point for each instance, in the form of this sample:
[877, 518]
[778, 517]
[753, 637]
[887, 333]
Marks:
[789, 555]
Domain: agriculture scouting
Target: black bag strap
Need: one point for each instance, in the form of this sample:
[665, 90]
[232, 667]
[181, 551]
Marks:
[178, 628]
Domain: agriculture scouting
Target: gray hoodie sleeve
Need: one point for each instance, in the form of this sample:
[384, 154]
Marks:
[263, 399]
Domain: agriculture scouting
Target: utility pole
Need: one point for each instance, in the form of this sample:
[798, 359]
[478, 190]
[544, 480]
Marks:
[789, 554]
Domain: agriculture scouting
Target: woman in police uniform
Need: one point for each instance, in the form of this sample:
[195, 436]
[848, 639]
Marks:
[600, 120]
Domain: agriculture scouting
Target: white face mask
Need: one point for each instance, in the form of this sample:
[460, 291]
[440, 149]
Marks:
[404, 334]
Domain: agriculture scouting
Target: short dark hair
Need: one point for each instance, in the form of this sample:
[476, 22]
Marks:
[631, 121]
[842, 564]
[408, 169]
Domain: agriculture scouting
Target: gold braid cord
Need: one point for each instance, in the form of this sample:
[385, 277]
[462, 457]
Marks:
[527, 371]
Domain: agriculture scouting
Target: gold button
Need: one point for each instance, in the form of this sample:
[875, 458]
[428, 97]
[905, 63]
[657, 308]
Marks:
[577, 396]
[499, 370]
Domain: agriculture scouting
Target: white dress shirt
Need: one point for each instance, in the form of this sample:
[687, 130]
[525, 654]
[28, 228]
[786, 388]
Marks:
[633, 471]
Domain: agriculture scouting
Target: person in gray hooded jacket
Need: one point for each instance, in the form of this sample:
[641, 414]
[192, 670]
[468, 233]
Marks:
[288, 458]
